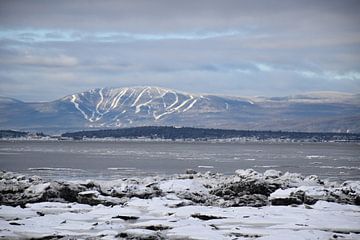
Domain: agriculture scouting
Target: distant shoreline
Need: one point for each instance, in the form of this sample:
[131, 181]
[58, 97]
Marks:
[186, 134]
[159, 140]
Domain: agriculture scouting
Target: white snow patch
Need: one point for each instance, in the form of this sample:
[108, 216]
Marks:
[205, 166]
[190, 105]
[282, 193]
[73, 100]
[314, 156]
[182, 185]
[116, 100]
[175, 102]
[100, 102]
[37, 189]
[183, 103]
[138, 107]
[139, 96]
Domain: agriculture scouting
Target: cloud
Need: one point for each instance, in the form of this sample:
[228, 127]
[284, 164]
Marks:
[264, 67]
[42, 35]
[243, 47]
[162, 15]
[331, 75]
[41, 60]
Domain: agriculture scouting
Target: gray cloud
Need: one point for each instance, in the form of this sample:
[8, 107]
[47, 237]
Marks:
[44, 61]
[163, 15]
[270, 48]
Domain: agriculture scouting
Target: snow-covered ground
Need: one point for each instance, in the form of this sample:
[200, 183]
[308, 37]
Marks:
[246, 205]
[160, 218]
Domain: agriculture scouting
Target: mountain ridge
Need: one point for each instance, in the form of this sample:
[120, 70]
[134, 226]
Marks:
[147, 105]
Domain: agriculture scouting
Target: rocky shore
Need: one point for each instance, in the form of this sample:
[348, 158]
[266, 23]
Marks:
[248, 204]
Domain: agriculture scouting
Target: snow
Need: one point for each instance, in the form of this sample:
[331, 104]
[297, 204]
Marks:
[190, 105]
[182, 185]
[126, 99]
[323, 221]
[94, 193]
[245, 173]
[163, 114]
[73, 100]
[173, 215]
[175, 102]
[271, 173]
[205, 166]
[11, 213]
[340, 167]
[282, 193]
[101, 100]
[116, 100]
[138, 107]
[314, 156]
[37, 189]
[183, 103]
[139, 96]
[352, 186]
[195, 231]
[172, 110]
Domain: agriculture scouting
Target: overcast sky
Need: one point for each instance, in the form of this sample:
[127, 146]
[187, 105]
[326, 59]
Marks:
[49, 49]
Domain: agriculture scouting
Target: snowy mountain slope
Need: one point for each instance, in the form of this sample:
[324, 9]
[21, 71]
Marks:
[117, 107]
[139, 106]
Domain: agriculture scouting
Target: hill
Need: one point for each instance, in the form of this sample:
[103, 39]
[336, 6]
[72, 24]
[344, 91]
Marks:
[152, 106]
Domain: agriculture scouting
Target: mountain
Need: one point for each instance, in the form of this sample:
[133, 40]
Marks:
[144, 106]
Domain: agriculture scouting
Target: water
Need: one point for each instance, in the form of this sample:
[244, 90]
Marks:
[72, 160]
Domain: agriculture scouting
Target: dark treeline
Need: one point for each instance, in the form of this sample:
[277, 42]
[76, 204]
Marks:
[155, 132]
[12, 134]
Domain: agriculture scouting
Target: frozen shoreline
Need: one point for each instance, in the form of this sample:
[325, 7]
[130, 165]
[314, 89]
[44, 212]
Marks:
[246, 205]
[161, 140]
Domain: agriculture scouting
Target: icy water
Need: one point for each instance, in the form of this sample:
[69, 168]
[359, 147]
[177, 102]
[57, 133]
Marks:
[72, 160]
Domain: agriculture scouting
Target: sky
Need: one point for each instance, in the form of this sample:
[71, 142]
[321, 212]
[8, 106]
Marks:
[50, 49]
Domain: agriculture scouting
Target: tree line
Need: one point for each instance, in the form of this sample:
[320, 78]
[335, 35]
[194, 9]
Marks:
[174, 133]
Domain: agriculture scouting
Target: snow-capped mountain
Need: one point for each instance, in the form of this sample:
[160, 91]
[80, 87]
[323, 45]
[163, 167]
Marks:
[139, 106]
[119, 106]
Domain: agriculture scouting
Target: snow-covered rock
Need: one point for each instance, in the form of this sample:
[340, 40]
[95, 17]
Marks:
[271, 173]
[183, 185]
[245, 188]
[185, 206]
[247, 173]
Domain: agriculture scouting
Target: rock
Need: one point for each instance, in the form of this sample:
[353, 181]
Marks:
[313, 180]
[311, 194]
[190, 171]
[291, 180]
[205, 217]
[37, 189]
[247, 173]
[195, 197]
[253, 200]
[245, 188]
[89, 197]
[66, 191]
[287, 197]
[141, 234]
[126, 218]
[286, 201]
[131, 188]
[240, 188]
[269, 174]
[357, 200]
[158, 227]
